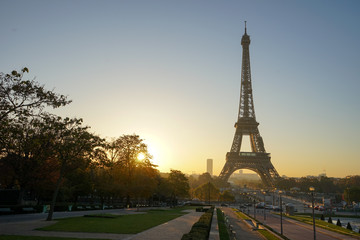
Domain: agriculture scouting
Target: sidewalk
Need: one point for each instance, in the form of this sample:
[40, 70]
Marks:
[214, 231]
[173, 229]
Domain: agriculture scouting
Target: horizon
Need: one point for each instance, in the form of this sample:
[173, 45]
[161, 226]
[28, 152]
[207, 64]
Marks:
[170, 73]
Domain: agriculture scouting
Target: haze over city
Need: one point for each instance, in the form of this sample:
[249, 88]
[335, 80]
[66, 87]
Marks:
[169, 71]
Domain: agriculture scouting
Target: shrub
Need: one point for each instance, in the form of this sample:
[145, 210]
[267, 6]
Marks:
[200, 230]
[349, 226]
[338, 223]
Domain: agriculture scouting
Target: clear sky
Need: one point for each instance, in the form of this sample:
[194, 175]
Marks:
[169, 71]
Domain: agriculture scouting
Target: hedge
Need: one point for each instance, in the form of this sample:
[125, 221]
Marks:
[201, 229]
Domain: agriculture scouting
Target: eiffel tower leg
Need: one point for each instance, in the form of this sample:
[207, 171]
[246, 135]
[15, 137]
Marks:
[268, 175]
[227, 170]
[266, 179]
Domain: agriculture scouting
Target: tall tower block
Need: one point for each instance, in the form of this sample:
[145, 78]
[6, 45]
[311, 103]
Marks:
[209, 166]
[258, 160]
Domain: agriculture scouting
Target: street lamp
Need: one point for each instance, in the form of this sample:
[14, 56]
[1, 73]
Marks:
[264, 207]
[209, 192]
[281, 210]
[312, 189]
[254, 210]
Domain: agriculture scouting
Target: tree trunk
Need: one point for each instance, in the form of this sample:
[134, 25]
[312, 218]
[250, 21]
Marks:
[128, 203]
[57, 188]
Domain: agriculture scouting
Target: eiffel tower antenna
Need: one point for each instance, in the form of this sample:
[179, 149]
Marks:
[258, 160]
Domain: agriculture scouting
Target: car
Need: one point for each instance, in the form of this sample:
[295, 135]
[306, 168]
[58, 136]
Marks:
[276, 208]
[260, 205]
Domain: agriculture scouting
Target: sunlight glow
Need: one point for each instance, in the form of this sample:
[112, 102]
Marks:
[155, 158]
[141, 156]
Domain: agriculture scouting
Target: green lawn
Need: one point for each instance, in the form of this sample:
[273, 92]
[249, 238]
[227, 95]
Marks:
[122, 224]
[3, 237]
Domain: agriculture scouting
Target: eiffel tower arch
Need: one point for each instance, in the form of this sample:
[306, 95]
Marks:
[258, 160]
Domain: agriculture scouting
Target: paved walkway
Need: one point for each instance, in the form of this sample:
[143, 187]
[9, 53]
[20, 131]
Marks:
[214, 231]
[173, 229]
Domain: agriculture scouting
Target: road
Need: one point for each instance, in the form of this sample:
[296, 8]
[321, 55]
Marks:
[243, 232]
[295, 230]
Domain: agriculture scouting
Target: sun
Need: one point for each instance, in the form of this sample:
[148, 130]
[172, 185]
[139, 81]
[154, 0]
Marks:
[141, 156]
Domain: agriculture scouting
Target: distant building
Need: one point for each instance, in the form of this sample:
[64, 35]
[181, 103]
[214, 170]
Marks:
[241, 175]
[209, 166]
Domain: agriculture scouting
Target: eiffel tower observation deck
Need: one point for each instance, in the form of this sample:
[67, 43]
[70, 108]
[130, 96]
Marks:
[258, 160]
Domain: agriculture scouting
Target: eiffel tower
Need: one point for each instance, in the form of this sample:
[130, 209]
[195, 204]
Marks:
[258, 160]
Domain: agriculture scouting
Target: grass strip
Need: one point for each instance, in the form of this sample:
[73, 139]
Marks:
[121, 224]
[223, 232]
[318, 215]
[13, 237]
[323, 224]
[268, 235]
[241, 215]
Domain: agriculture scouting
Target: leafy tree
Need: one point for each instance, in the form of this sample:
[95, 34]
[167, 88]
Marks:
[227, 196]
[285, 183]
[207, 192]
[77, 183]
[133, 177]
[24, 145]
[327, 185]
[144, 181]
[163, 189]
[20, 97]
[352, 194]
[26, 157]
[73, 147]
[204, 178]
[179, 185]
[192, 181]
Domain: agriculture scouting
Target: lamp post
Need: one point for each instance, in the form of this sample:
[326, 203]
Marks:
[281, 210]
[264, 208]
[312, 189]
[209, 193]
[254, 210]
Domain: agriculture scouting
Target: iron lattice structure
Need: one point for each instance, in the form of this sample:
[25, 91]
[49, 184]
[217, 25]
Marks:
[258, 160]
